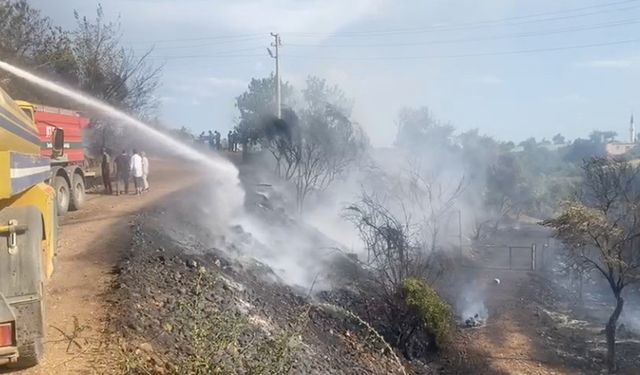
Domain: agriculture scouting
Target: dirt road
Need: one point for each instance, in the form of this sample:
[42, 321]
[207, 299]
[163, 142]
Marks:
[509, 343]
[91, 241]
[534, 328]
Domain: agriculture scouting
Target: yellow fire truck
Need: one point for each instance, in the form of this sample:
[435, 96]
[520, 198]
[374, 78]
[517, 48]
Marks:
[28, 233]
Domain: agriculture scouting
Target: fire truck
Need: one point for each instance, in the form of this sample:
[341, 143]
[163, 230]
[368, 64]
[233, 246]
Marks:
[28, 232]
[69, 172]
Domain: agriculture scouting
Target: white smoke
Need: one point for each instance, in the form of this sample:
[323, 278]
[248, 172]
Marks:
[471, 302]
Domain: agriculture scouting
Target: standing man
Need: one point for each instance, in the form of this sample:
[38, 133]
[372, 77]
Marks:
[105, 165]
[217, 140]
[211, 139]
[145, 170]
[230, 141]
[136, 171]
[235, 137]
[122, 172]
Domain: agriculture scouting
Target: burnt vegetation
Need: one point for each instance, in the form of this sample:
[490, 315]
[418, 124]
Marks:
[600, 227]
[426, 212]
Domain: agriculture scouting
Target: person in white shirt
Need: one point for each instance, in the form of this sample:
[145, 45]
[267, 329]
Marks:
[145, 170]
[136, 171]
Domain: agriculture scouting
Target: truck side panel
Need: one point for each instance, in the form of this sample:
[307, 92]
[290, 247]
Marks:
[42, 196]
[73, 126]
[21, 284]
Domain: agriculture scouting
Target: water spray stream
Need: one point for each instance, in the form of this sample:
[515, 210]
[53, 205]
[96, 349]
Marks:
[224, 171]
[222, 165]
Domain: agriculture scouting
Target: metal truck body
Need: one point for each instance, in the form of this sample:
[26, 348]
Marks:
[28, 233]
[68, 173]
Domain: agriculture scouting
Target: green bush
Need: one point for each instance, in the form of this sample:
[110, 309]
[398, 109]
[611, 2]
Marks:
[433, 313]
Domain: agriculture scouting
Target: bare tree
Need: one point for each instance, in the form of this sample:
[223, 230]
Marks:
[329, 141]
[112, 73]
[283, 139]
[89, 57]
[487, 222]
[396, 253]
[600, 228]
[29, 39]
[392, 243]
[434, 200]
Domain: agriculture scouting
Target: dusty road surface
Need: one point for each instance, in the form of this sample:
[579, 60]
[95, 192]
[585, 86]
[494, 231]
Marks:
[91, 241]
[535, 329]
[509, 343]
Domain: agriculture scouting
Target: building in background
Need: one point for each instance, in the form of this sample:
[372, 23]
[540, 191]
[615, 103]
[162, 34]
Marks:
[621, 148]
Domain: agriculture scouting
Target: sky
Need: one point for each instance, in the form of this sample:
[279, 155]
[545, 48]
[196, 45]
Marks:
[513, 69]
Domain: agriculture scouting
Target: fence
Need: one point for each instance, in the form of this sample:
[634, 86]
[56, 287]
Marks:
[501, 257]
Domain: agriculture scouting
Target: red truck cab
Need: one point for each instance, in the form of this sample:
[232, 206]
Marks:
[68, 171]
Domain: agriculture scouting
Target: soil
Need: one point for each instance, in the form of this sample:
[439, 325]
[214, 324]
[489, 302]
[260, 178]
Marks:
[161, 292]
[92, 241]
[129, 267]
[535, 327]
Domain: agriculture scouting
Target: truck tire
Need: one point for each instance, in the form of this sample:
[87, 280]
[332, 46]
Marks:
[63, 195]
[77, 193]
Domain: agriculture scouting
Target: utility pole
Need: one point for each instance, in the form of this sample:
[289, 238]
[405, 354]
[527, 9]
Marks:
[276, 44]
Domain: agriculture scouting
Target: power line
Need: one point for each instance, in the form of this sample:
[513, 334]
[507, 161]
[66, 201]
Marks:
[229, 37]
[425, 57]
[496, 53]
[222, 52]
[476, 39]
[201, 45]
[461, 26]
[181, 57]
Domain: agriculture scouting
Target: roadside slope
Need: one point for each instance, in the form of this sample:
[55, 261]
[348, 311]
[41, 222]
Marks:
[91, 242]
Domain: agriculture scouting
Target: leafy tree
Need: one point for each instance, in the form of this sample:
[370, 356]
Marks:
[600, 228]
[29, 39]
[107, 71]
[420, 133]
[90, 58]
[311, 146]
[582, 149]
[184, 134]
[558, 139]
[331, 141]
[257, 107]
[598, 136]
[528, 144]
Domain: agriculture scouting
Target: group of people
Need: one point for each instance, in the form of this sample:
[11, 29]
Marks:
[214, 140]
[125, 167]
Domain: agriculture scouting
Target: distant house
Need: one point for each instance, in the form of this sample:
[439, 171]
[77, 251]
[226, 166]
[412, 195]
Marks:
[620, 148]
[617, 149]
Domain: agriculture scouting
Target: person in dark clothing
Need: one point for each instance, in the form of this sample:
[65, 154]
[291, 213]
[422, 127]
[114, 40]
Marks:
[230, 141]
[217, 133]
[106, 171]
[211, 139]
[123, 167]
[236, 138]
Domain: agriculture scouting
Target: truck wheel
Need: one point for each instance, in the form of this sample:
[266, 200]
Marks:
[77, 193]
[62, 194]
